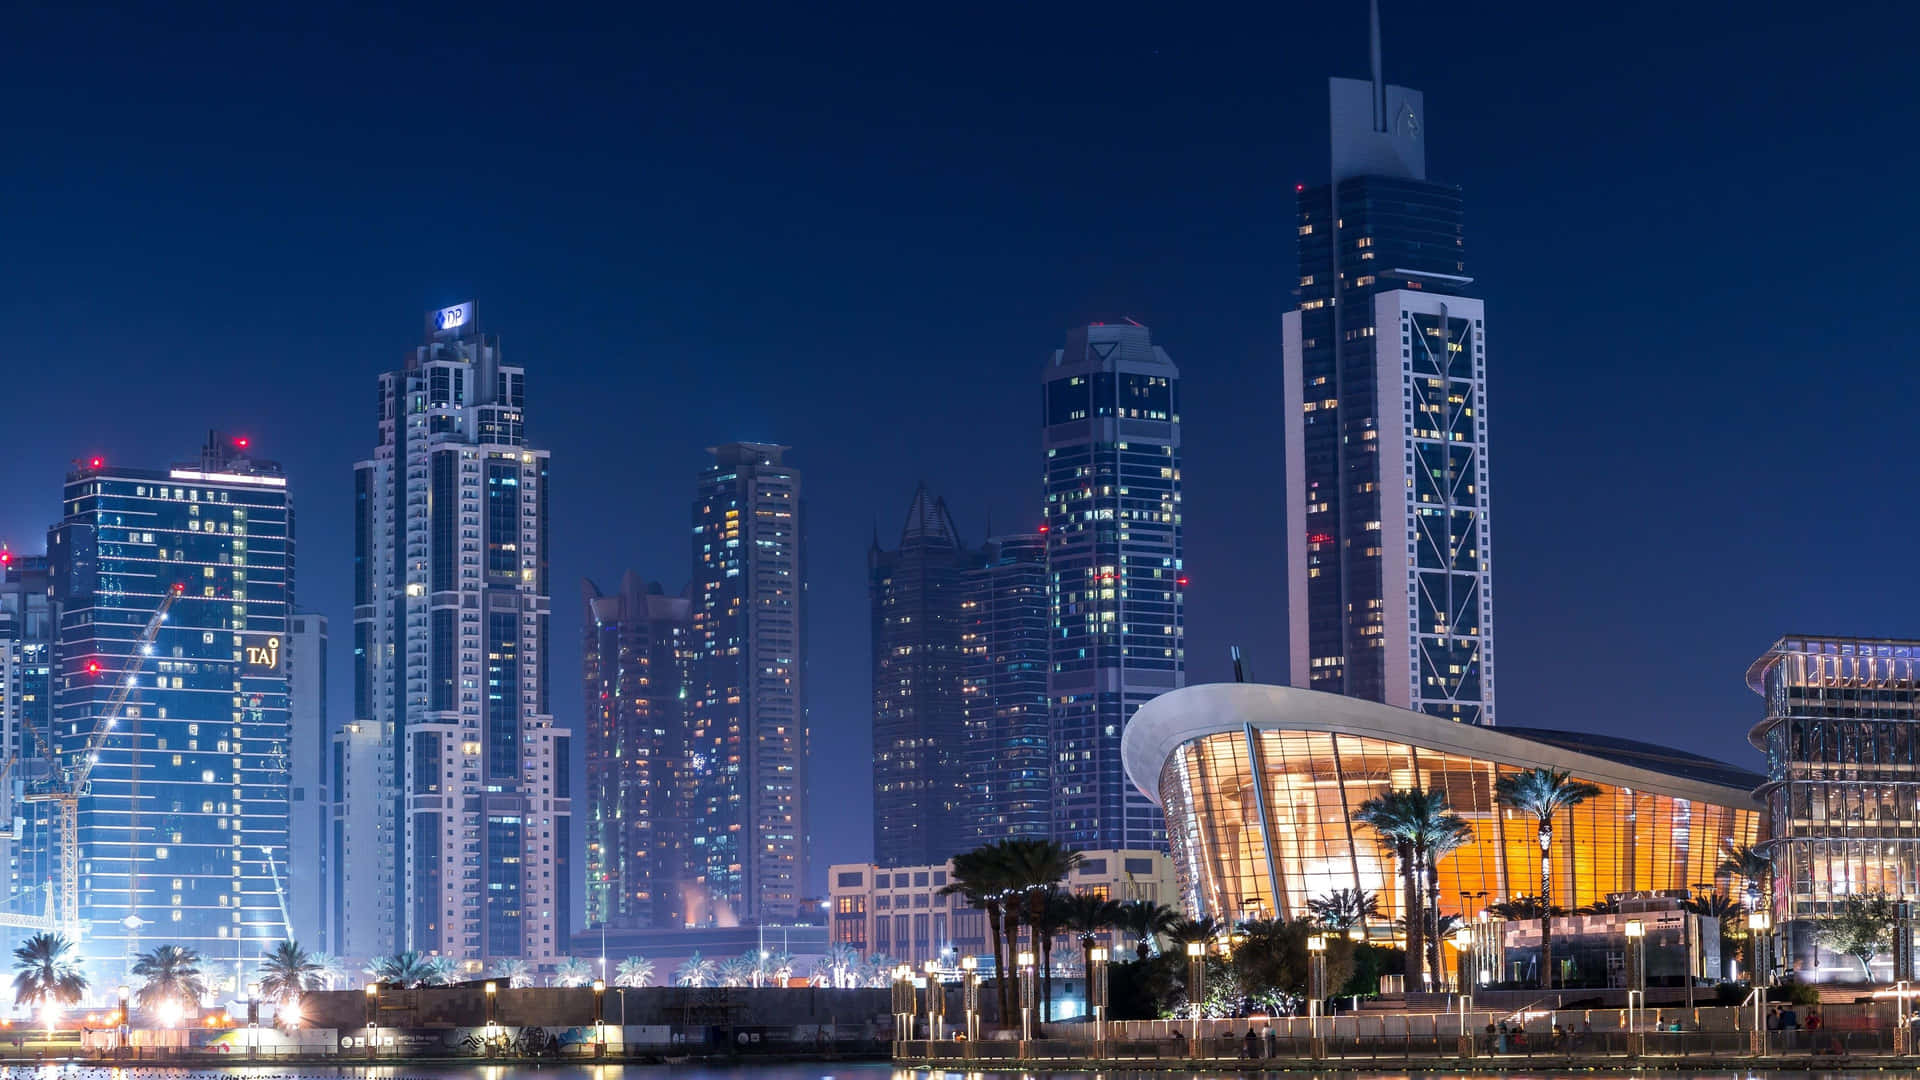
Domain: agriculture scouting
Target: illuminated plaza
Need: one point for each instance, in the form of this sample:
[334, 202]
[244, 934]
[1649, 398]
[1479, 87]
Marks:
[1260, 842]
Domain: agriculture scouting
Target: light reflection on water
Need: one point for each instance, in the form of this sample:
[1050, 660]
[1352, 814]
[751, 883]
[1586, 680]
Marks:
[836, 1071]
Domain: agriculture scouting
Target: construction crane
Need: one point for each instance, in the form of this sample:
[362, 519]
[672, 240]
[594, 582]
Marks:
[69, 784]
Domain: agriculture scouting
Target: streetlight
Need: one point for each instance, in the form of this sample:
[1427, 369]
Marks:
[970, 995]
[493, 1016]
[1636, 971]
[126, 1020]
[936, 1003]
[1759, 927]
[373, 1014]
[1196, 987]
[1027, 995]
[599, 1018]
[1097, 991]
[1316, 981]
[903, 1003]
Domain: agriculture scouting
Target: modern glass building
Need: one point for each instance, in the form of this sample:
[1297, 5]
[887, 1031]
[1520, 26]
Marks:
[634, 648]
[1842, 790]
[747, 705]
[914, 595]
[310, 865]
[1259, 784]
[1389, 553]
[183, 826]
[1111, 406]
[451, 608]
[28, 623]
[1004, 648]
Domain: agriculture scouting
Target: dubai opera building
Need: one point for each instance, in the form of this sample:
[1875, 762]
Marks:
[1259, 785]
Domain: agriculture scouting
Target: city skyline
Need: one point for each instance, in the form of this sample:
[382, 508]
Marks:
[1190, 231]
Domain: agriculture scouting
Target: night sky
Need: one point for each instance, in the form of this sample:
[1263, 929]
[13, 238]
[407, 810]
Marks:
[861, 233]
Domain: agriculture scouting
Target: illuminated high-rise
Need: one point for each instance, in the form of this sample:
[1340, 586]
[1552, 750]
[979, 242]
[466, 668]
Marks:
[1007, 761]
[183, 814]
[28, 622]
[1389, 547]
[746, 749]
[451, 605]
[1113, 523]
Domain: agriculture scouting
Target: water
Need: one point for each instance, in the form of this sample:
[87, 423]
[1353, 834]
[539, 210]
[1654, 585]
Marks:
[839, 1071]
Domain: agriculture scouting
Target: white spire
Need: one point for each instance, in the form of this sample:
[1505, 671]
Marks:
[1379, 84]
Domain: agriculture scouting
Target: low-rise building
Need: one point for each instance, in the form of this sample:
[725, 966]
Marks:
[905, 914]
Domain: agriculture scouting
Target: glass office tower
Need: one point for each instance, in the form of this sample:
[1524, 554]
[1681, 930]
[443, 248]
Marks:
[183, 826]
[27, 626]
[1008, 757]
[1389, 554]
[1112, 450]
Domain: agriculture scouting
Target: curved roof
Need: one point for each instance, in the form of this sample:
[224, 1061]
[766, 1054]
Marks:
[1172, 719]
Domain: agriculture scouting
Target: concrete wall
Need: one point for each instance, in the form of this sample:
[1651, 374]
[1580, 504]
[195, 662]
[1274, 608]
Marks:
[465, 1006]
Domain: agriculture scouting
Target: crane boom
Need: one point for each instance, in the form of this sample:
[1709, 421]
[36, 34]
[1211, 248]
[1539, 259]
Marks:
[75, 780]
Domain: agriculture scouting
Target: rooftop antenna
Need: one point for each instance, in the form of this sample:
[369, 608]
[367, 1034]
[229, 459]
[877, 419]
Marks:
[1239, 664]
[1379, 86]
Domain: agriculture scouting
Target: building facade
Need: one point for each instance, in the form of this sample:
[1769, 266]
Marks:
[1113, 524]
[903, 913]
[634, 648]
[1008, 759]
[914, 594]
[184, 818]
[1389, 549]
[310, 870]
[1259, 784]
[28, 622]
[746, 754]
[361, 842]
[1842, 791]
[451, 606]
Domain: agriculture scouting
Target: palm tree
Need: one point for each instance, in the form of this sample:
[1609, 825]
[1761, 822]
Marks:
[1542, 793]
[409, 969]
[1438, 838]
[44, 971]
[634, 971]
[572, 971]
[1087, 916]
[877, 972]
[981, 878]
[288, 972]
[1344, 909]
[1523, 907]
[514, 971]
[1194, 931]
[1755, 867]
[1396, 816]
[1049, 920]
[735, 972]
[169, 973]
[840, 965]
[778, 968]
[696, 971]
[328, 969]
[1144, 921]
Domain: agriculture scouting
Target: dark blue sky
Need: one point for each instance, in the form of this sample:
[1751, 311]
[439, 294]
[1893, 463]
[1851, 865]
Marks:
[861, 232]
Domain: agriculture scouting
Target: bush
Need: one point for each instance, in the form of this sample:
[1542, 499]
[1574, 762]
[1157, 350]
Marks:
[1794, 992]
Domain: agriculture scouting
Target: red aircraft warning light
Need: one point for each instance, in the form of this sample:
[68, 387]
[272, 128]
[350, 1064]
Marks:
[95, 463]
[93, 667]
[241, 442]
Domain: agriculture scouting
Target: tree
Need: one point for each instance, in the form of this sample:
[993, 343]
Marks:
[735, 972]
[1049, 920]
[1523, 907]
[287, 972]
[983, 878]
[572, 971]
[513, 971]
[1754, 867]
[1396, 816]
[1144, 921]
[695, 971]
[44, 970]
[840, 966]
[409, 969]
[1858, 928]
[327, 969]
[1439, 837]
[1541, 794]
[1344, 909]
[169, 973]
[1087, 915]
[1199, 931]
[634, 971]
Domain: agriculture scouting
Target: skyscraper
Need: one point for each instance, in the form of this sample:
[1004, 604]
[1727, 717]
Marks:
[183, 823]
[1008, 759]
[747, 724]
[451, 604]
[919, 723]
[1389, 556]
[635, 654]
[310, 870]
[1113, 523]
[27, 626]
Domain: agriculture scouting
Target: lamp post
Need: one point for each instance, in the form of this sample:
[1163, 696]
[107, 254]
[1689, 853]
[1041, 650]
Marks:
[902, 1003]
[1636, 972]
[492, 990]
[599, 1018]
[1097, 993]
[1196, 987]
[936, 1003]
[253, 1023]
[970, 995]
[126, 1019]
[1759, 937]
[1027, 995]
[373, 1015]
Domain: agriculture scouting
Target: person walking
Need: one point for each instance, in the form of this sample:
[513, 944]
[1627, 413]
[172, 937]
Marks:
[1253, 1044]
